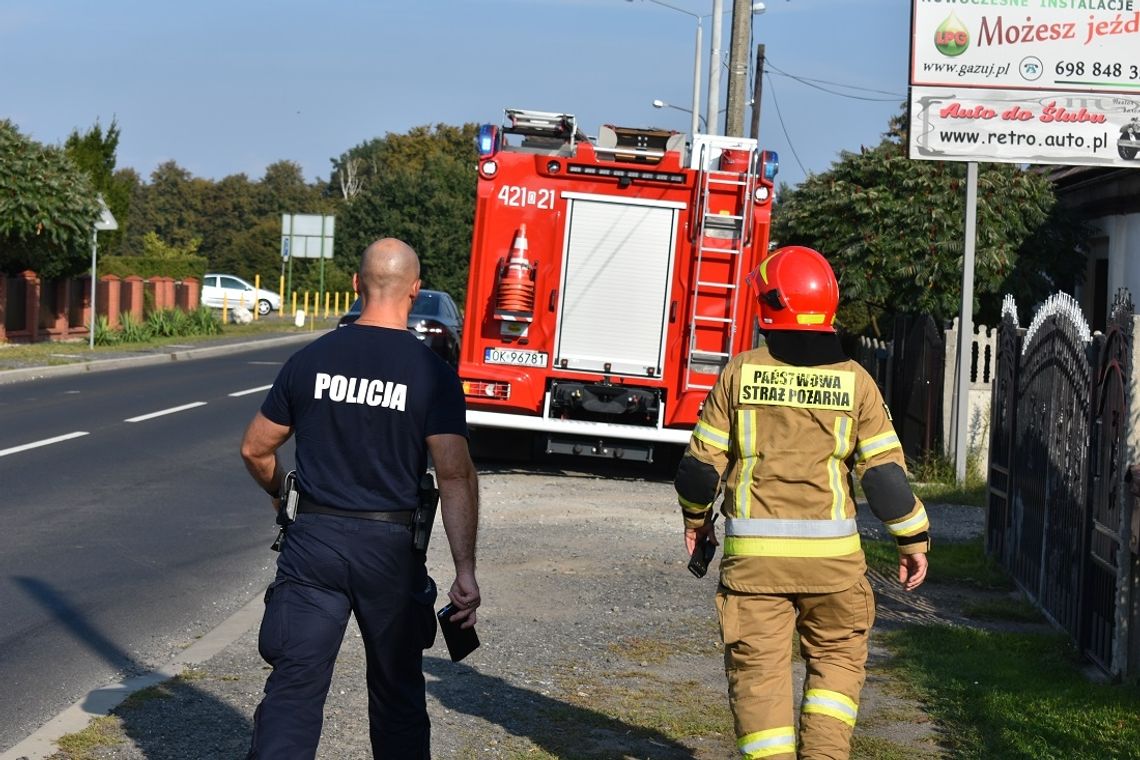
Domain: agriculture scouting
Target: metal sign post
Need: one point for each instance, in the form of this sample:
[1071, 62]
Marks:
[106, 222]
[966, 324]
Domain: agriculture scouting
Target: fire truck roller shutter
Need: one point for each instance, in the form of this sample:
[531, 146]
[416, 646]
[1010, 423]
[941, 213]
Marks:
[616, 284]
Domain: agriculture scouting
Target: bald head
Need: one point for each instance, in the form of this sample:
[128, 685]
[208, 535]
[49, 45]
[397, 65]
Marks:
[389, 268]
[388, 282]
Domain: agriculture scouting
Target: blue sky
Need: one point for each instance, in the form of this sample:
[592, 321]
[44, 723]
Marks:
[230, 87]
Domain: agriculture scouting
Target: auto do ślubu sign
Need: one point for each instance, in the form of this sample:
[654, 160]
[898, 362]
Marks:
[1026, 81]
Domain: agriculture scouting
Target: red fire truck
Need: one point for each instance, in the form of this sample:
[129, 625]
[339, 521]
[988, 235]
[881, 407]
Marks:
[606, 288]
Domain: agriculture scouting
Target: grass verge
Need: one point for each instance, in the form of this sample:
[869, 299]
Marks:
[961, 563]
[973, 494]
[1006, 695]
[66, 352]
[106, 731]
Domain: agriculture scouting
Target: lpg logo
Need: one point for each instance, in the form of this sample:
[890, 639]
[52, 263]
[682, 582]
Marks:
[951, 38]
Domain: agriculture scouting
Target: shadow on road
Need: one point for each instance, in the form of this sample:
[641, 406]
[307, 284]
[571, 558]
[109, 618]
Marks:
[159, 729]
[560, 728]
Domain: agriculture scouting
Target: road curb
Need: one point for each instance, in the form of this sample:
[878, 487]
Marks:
[99, 365]
[99, 702]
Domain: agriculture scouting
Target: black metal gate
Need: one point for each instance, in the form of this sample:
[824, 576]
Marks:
[1109, 525]
[1059, 418]
[916, 385]
[1003, 422]
[908, 371]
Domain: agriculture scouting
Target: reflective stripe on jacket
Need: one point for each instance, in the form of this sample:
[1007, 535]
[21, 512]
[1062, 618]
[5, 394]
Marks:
[790, 439]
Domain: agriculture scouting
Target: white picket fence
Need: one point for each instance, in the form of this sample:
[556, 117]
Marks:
[983, 365]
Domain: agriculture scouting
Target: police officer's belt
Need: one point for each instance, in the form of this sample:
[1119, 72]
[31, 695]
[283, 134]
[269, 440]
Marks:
[403, 516]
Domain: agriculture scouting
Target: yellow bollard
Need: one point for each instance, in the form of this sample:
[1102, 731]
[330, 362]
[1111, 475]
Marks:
[336, 303]
[281, 295]
[327, 294]
[225, 308]
[256, 292]
[293, 311]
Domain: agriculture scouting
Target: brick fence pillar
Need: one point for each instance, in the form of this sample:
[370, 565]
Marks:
[167, 286]
[31, 304]
[189, 292]
[132, 298]
[110, 299]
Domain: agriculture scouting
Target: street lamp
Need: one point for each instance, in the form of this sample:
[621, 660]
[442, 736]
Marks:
[696, 60]
[663, 104]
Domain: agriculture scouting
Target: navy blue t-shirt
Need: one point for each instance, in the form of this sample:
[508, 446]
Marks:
[361, 401]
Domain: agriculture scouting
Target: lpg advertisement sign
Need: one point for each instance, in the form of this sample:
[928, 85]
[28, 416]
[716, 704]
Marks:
[1026, 81]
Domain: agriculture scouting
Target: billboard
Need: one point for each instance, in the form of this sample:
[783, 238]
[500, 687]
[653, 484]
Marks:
[1026, 81]
[1058, 45]
[307, 236]
[1024, 126]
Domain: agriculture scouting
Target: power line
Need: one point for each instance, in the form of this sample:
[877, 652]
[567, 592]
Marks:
[787, 137]
[812, 83]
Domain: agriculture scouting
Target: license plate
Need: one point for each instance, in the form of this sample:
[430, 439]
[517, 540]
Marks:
[516, 357]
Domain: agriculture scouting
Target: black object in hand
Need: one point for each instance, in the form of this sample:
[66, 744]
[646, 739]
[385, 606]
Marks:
[460, 641]
[702, 556]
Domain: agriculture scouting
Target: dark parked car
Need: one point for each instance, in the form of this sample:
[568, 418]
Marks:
[434, 319]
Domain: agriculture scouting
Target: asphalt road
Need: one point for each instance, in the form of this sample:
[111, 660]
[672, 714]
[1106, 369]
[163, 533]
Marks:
[128, 526]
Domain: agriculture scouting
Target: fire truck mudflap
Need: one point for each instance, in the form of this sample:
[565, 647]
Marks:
[603, 293]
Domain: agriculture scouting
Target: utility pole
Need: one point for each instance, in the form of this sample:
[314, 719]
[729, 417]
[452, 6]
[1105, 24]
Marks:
[756, 92]
[712, 115]
[738, 68]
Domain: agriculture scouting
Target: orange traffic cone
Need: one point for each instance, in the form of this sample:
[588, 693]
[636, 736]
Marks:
[516, 288]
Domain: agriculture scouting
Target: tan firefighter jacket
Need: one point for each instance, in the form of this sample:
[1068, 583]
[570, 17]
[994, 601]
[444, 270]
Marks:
[788, 438]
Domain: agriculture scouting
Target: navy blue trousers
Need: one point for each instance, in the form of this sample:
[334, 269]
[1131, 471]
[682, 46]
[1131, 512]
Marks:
[331, 566]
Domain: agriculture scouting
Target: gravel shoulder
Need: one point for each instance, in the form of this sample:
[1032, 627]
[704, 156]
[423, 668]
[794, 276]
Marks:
[597, 643]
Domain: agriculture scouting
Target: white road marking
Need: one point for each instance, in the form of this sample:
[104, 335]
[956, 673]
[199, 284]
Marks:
[172, 410]
[258, 389]
[44, 442]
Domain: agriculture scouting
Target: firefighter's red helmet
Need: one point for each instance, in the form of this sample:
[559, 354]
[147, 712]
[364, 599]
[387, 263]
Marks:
[797, 290]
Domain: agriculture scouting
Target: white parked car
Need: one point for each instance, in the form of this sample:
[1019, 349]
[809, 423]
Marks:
[236, 291]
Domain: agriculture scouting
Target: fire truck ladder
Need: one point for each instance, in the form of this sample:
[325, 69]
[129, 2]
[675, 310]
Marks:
[543, 124]
[711, 288]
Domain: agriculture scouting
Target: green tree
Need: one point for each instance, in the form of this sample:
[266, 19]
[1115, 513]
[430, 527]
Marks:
[47, 208]
[170, 205]
[893, 229]
[94, 152]
[419, 187]
[230, 209]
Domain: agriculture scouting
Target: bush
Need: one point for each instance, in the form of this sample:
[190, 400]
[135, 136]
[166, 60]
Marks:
[203, 321]
[168, 323]
[131, 331]
[147, 266]
[104, 335]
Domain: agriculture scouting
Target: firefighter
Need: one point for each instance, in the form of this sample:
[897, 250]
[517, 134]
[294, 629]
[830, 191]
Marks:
[785, 428]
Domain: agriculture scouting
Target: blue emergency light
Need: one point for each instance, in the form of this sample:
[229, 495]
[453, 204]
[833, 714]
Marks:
[487, 140]
[771, 161]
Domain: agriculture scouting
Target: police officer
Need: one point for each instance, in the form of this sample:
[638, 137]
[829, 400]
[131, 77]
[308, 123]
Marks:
[786, 426]
[367, 403]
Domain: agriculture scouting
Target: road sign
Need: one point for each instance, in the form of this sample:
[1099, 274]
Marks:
[284, 249]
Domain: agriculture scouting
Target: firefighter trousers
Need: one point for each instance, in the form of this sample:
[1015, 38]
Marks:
[757, 633]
